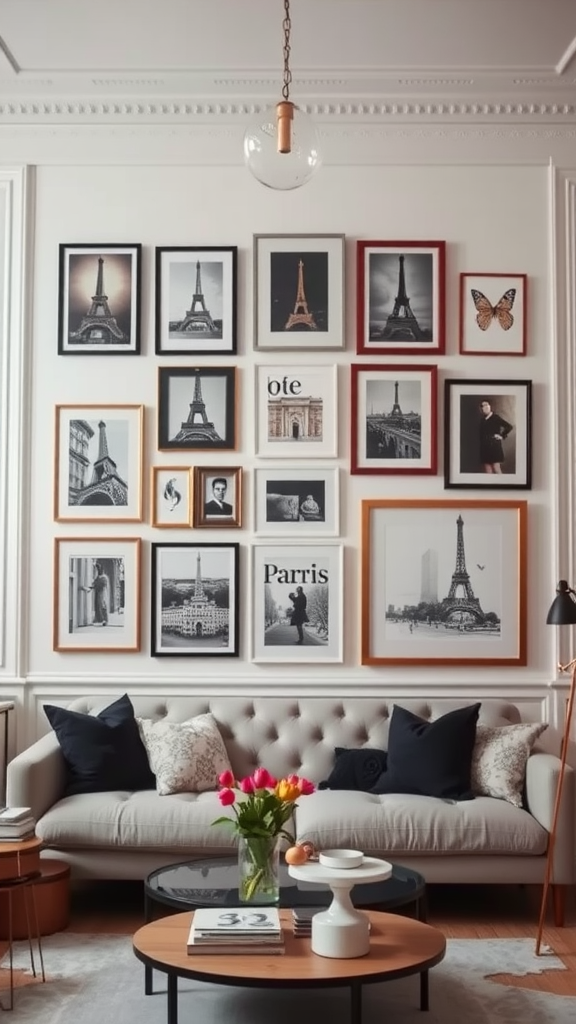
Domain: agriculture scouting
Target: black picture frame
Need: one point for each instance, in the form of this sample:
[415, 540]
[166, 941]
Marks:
[207, 422]
[196, 300]
[99, 299]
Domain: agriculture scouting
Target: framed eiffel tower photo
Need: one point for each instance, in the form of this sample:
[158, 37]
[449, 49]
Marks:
[299, 292]
[196, 300]
[401, 300]
[197, 408]
[443, 582]
[99, 300]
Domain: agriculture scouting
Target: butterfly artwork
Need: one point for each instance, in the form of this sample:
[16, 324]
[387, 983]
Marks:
[487, 314]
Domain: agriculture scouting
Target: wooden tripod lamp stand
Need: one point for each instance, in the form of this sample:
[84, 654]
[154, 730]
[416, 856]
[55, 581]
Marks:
[562, 613]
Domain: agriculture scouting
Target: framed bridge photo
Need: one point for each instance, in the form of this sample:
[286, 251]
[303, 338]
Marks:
[393, 419]
[401, 300]
[443, 582]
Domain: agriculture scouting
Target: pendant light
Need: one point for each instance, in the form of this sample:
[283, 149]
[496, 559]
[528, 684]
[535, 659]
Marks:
[281, 143]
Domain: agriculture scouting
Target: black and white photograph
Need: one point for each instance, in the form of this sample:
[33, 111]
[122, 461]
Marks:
[393, 419]
[99, 299]
[296, 411]
[98, 463]
[487, 434]
[197, 408]
[297, 502]
[96, 594]
[218, 496]
[401, 302]
[195, 600]
[443, 582]
[493, 314]
[297, 596]
[298, 292]
[171, 495]
[196, 300]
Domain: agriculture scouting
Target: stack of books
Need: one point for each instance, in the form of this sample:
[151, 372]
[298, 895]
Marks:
[236, 930]
[16, 824]
[302, 920]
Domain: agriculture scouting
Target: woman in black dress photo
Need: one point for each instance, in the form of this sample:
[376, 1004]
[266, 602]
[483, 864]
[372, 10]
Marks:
[493, 430]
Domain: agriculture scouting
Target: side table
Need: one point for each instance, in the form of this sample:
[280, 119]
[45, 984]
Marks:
[19, 871]
[5, 707]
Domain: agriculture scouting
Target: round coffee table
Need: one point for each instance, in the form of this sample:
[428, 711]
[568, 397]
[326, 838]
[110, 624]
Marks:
[399, 946]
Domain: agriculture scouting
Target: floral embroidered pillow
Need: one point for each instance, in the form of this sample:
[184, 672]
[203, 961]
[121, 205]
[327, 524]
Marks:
[186, 757]
[499, 759]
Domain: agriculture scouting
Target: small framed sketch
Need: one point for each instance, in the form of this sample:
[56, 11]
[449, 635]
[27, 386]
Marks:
[218, 496]
[299, 292]
[99, 300]
[97, 594]
[401, 300]
[393, 419]
[297, 502]
[98, 463]
[195, 600]
[443, 582]
[196, 300]
[493, 314]
[487, 433]
[296, 411]
[197, 408]
[171, 494]
[297, 599]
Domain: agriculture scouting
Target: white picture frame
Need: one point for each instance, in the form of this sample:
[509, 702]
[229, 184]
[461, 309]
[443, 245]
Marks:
[297, 502]
[296, 411]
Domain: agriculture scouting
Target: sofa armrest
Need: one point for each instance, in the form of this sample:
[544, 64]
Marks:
[542, 773]
[36, 778]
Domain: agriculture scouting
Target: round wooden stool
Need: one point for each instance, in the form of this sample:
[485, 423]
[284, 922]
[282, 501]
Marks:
[52, 895]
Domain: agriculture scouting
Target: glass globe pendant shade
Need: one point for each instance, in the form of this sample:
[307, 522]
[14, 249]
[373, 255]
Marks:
[266, 140]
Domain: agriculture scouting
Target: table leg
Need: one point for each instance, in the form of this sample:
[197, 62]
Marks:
[424, 995]
[355, 1003]
[422, 908]
[148, 975]
[172, 1017]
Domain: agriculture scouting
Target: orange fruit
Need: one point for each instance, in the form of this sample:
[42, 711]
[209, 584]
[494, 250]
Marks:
[296, 855]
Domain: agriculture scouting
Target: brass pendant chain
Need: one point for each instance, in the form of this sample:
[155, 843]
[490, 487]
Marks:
[286, 25]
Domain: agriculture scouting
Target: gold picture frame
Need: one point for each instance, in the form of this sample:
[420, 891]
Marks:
[171, 497]
[218, 497]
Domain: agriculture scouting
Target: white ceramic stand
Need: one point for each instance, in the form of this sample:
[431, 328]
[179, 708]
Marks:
[341, 931]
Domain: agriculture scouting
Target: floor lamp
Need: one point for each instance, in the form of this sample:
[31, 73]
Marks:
[562, 613]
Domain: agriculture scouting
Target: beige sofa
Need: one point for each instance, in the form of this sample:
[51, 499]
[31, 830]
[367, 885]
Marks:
[125, 835]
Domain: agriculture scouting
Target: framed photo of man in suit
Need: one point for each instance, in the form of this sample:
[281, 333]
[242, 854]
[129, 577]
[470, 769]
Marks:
[218, 496]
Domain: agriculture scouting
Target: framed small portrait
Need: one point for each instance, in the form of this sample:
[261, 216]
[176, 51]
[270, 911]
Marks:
[493, 314]
[218, 496]
[197, 408]
[99, 300]
[443, 582]
[171, 496]
[97, 594]
[487, 434]
[299, 292]
[196, 300]
[195, 594]
[98, 463]
[393, 419]
[297, 502]
[296, 411]
[401, 300]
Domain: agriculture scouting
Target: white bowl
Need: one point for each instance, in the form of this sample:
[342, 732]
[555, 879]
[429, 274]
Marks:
[341, 859]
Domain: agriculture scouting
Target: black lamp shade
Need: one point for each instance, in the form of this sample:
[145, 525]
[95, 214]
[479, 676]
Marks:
[563, 608]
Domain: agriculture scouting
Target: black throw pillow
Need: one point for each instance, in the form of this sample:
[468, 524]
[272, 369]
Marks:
[430, 758]
[355, 769]
[102, 752]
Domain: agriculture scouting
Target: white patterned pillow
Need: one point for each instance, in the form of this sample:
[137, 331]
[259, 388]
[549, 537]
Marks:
[186, 757]
[499, 759]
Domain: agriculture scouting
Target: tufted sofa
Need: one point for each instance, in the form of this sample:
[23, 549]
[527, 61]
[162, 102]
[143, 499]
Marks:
[125, 835]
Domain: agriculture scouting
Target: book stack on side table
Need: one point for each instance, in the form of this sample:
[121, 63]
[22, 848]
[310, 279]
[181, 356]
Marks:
[302, 920]
[16, 824]
[236, 930]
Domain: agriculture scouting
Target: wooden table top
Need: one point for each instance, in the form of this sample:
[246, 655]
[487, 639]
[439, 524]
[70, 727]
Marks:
[32, 845]
[399, 946]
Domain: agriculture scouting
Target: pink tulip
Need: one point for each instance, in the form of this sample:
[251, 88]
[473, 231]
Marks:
[226, 779]
[226, 797]
[247, 784]
[263, 779]
[306, 787]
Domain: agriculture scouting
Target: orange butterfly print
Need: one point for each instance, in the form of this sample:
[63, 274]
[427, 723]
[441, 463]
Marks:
[486, 312]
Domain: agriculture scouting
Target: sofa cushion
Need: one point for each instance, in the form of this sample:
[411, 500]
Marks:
[186, 757]
[499, 759]
[357, 769]
[101, 752]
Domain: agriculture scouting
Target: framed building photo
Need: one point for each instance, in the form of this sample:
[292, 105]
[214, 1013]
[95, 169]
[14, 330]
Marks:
[197, 408]
[487, 433]
[297, 502]
[171, 496]
[297, 600]
[96, 594]
[98, 463]
[401, 301]
[296, 411]
[299, 292]
[196, 300]
[195, 600]
[218, 496]
[99, 300]
[393, 419]
[443, 582]
[493, 314]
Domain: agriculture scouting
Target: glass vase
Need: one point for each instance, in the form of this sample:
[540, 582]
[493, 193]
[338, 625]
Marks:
[258, 862]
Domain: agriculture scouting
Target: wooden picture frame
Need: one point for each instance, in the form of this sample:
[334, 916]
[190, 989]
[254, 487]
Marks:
[218, 497]
[99, 297]
[296, 503]
[393, 419]
[171, 497]
[196, 300]
[493, 314]
[296, 411]
[197, 408]
[443, 582]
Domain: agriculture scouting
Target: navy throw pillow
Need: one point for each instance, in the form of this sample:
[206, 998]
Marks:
[355, 769]
[430, 758]
[103, 751]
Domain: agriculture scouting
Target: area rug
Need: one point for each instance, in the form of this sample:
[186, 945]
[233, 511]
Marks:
[96, 979]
